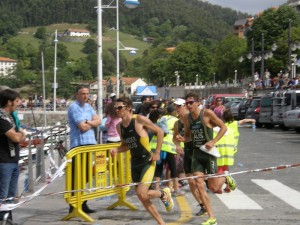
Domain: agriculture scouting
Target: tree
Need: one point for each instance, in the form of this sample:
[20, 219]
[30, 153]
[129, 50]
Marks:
[90, 46]
[227, 54]
[40, 33]
[189, 59]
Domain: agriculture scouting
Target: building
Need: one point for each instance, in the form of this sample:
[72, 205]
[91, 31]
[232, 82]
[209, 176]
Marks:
[295, 4]
[7, 66]
[77, 33]
[241, 26]
[128, 85]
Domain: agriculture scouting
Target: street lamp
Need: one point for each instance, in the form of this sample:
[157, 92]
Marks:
[129, 4]
[257, 56]
[54, 72]
[235, 78]
[197, 76]
[177, 78]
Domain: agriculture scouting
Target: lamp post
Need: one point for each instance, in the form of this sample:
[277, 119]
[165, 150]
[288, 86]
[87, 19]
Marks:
[235, 78]
[256, 56]
[197, 76]
[54, 72]
[129, 4]
[177, 78]
[100, 62]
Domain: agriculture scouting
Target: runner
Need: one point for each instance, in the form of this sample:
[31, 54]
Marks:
[198, 126]
[134, 136]
[187, 151]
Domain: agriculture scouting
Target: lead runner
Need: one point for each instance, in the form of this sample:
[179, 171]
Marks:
[198, 126]
[134, 136]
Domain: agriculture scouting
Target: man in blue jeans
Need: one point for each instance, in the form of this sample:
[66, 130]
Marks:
[10, 136]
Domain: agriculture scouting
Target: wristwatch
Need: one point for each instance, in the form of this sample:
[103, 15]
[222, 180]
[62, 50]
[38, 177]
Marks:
[86, 121]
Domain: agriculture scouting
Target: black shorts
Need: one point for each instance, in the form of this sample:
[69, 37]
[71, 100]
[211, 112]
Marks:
[203, 162]
[142, 170]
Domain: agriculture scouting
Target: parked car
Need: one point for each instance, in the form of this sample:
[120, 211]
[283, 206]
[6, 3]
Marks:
[211, 100]
[283, 102]
[253, 110]
[266, 111]
[236, 108]
[291, 119]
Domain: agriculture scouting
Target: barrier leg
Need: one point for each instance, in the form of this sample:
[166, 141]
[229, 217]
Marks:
[77, 212]
[122, 201]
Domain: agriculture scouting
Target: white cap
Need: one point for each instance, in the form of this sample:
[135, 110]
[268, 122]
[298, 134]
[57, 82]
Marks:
[179, 101]
[112, 95]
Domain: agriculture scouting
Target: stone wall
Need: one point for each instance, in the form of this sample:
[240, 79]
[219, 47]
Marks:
[36, 118]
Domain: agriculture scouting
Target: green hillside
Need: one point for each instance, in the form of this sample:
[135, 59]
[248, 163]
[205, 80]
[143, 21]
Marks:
[26, 36]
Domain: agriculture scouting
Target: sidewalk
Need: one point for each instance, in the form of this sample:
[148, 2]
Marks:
[52, 208]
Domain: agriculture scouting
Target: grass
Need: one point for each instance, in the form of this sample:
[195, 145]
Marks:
[74, 48]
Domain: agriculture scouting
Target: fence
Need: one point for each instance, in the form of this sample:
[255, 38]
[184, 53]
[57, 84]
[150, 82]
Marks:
[92, 167]
[37, 145]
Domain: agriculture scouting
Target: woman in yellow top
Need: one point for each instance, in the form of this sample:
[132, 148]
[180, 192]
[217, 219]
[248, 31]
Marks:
[227, 145]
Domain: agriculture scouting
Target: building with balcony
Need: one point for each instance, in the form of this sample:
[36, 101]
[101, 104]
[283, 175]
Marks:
[7, 66]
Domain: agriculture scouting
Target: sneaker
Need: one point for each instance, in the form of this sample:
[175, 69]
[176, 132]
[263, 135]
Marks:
[231, 182]
[227, 190]
[177, 193]
[210, 221]
[167, 199]
[202, 211]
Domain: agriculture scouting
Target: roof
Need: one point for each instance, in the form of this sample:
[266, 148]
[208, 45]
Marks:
[146, 90]
[241, 22]
[125, 80]
[3, 59]
[170, 49]
[79, 30]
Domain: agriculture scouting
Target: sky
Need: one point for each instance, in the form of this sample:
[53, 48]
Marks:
[249, 6]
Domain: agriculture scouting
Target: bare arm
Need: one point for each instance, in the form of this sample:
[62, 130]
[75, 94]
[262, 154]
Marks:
[240, 122]
[187, 132]
[15, 136]
[211, 119]
[155, 129]
[88, 124]
[123, 147]
[175, 140]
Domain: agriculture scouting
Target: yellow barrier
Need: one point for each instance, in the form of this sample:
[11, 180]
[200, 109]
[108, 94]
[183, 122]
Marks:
[106, 171]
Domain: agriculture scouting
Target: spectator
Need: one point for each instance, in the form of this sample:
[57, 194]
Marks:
[111, 124]
[10, 137]
[82, 120]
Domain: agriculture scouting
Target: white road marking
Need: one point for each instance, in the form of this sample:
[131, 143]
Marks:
[283, 192]
[238, 200]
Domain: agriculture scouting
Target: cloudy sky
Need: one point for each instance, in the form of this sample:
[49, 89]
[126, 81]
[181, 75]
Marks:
[249, 6]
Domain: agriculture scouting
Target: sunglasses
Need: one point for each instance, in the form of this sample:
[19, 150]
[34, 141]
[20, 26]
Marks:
[119, 107]
[179, 106]
[219, 100]
[154, 107]
[190, 102]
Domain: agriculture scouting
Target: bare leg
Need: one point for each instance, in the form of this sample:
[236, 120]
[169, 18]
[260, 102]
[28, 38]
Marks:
[194, 189]
[203, 194]
[144, 195]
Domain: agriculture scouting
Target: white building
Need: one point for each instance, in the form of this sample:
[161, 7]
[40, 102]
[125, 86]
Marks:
[78, 33]
[7, 66]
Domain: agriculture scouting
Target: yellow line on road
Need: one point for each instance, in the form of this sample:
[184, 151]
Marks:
[185, 209]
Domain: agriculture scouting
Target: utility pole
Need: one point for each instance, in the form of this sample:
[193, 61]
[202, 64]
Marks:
[262, 68]
[252, 59]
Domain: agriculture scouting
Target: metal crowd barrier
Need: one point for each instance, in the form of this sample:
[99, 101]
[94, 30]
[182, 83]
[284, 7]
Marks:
[90, 167]
[33, 152]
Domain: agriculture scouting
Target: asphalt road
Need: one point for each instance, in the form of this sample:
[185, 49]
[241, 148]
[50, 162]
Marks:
[264, 198]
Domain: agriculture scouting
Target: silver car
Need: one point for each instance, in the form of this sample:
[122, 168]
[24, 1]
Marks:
[291, 119]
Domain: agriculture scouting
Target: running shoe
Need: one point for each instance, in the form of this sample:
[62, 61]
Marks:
[210, 221]
[167, 199]
[202, 211]
[178, 192]
[231, 182]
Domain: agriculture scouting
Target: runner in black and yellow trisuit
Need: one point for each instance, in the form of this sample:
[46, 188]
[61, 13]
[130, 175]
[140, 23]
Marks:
[133, 130]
